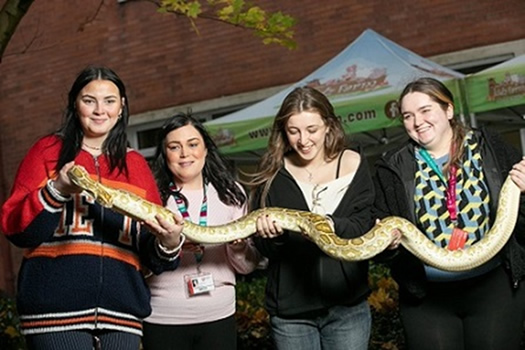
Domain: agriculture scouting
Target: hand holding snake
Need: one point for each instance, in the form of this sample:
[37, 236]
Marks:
[517, 174]
[168, 232]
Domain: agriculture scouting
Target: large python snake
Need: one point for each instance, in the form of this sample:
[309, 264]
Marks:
[318, 229]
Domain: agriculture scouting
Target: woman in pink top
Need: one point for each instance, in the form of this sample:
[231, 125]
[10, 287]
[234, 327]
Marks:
[194, 306]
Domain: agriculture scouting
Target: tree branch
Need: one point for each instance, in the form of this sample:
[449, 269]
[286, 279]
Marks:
[272, 28]
[10, 16]
[89, 20]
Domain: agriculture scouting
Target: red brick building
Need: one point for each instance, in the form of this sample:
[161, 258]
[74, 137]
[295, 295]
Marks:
[166, 66]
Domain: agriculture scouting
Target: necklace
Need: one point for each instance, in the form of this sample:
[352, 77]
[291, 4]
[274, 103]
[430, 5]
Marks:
[310, 174]
[91, 147]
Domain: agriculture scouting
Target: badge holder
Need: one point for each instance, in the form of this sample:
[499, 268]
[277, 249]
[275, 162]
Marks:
[200, 282]
[457, 239]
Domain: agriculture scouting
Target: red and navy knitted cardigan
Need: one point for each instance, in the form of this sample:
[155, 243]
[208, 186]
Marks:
[82, 262]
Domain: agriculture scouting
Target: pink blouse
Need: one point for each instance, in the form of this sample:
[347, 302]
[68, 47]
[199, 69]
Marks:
[170, 300]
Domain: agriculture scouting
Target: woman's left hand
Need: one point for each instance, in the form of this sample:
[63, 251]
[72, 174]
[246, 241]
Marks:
[518, 174]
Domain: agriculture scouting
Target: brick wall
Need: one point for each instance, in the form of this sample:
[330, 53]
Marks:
[164, 63]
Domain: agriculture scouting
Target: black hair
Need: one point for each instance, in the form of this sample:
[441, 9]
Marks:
[71, 132]
[217, 170]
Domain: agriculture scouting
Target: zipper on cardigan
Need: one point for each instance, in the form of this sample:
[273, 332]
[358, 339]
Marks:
[96, 317]
[99, 177]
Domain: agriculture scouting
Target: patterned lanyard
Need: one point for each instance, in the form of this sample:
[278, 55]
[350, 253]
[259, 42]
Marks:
[203, 217]
[451, 183]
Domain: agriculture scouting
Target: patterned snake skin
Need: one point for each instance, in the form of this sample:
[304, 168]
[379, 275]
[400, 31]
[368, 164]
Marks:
[318, 229]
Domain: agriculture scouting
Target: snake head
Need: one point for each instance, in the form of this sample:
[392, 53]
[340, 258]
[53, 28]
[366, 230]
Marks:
[77, 173]
[80, 177]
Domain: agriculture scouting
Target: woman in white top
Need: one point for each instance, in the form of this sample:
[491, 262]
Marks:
[315, 301]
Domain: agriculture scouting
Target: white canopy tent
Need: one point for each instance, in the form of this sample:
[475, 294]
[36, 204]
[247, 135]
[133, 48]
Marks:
[363, 83]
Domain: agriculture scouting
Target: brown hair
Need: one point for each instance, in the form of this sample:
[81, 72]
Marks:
[299, 100]
[440, 94]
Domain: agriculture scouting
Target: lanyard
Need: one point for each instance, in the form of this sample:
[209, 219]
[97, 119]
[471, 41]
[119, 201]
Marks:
[451, 184]
[203, 217]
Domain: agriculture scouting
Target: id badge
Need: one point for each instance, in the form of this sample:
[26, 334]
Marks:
[458, 239]
[199, 283]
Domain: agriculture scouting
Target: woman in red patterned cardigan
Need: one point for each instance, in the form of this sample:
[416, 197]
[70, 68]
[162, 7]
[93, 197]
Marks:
[80, 282]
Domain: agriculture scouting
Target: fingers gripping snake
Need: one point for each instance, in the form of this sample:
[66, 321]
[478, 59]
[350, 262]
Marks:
[318, 229]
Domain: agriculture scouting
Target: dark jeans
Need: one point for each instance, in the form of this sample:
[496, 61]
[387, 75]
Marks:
[218, 335]
[482, 313]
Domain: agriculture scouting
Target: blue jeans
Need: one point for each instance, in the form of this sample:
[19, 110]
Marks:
[342, 327]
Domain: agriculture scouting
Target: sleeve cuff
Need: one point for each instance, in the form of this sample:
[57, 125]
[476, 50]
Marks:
[330, 221]
[169, 254]
[55, 194]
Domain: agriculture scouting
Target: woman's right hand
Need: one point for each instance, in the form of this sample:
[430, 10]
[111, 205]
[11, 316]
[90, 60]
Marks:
[63, 183]
[518, 174]
[267, 227]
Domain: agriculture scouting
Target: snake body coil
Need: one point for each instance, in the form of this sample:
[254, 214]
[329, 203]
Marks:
[318, 229]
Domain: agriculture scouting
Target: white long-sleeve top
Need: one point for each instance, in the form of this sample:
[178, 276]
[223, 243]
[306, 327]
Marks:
[170, 302]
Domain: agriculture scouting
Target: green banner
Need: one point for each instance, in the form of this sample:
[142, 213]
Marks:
[357, 115]
[498, 87]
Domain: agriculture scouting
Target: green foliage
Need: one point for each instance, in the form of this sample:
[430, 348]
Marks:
[10, 336]
[271, 27]
[191, 9]
[387, 331]
[253, 331]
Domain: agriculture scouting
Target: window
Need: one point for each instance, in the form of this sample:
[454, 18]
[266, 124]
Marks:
[143, 128]
[479, 58]
[144, 137]
[478, 65]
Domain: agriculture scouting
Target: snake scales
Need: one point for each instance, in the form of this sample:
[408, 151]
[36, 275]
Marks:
[318, 229]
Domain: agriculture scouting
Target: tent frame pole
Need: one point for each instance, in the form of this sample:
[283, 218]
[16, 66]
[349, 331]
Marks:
[522, 140]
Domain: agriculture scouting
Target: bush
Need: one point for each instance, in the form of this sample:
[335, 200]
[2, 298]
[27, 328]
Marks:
[10, 336]
[387, 331]
[253, 330]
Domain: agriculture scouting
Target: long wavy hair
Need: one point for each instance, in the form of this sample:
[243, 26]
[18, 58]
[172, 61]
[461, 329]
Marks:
[300, 99]
[71, 132]
[217, 170]
[439, 93]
